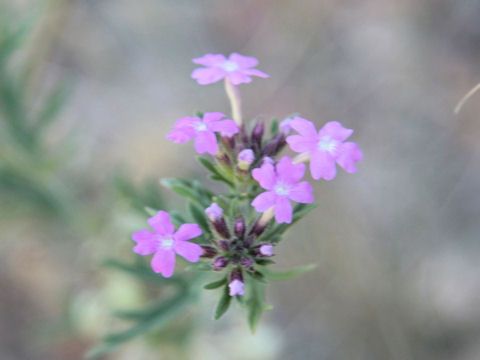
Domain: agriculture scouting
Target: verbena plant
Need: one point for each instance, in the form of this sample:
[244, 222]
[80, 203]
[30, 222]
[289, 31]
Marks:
[229, 236]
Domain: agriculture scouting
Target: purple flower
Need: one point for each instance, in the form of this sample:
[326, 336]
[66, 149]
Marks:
[214, 212]
[164, 243]
[203, 130]
[236, 288]
[237, 69]
[265, 250]
[245, 159]
[282, 186]
[325, 148]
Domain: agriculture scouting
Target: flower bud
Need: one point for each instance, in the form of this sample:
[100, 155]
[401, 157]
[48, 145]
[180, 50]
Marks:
[245, 159]
[236, 283]
[257, 135]
[262, 222]
[285, 127]
[219, 263]
[246, 263]
[264, 250]
[239, 227]
[267, 160]
[275, 145]
[249, 240]
[208, 251]
[215, 215]
[223, 245]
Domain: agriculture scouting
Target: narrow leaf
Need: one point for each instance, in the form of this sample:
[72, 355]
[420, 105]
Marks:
[279, 275]
[223, 304]
[215, 284]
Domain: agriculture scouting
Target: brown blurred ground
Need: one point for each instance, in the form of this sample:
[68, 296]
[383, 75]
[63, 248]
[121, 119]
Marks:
[396, 245]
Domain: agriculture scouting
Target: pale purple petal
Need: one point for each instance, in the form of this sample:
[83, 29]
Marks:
[187, 231]
[181, 135]
[161, 223]
[246, 155]
[212, 117]
[224, 126]
[266, 249]
[186, 122]
[322, 165]
[147, 242]
[348, 155]
[264, 201]
[299, 143]
[243, 61]
[288, 172]
[206, 142]
[164, 262]
[210, 59]
[188, 250]
[304, 127]
[265, 175]
[255, 72]
[238, 77]
[205, 76]
[214, 212]
[302, 193]
[283, 210]
[335, 130]
[236, 288]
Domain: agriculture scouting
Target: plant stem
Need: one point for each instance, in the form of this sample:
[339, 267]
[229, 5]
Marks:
[235, 101]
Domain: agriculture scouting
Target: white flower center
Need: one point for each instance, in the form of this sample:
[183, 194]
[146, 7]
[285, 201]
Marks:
[282, 189]
[166, 243]
[200, 126]
[328, 144]
[229, 66]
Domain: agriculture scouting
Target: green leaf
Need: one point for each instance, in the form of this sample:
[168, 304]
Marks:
[52, 106]
[274, 127]
[280, 275]
[215, 284]
[215, 173]
[257, 275]
[263, 261]
[190, 189]
[255, 303]
[177, 218]
[199, 217]
[223, 303]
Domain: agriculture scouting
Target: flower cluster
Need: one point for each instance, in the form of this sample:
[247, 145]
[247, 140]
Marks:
[237, 230]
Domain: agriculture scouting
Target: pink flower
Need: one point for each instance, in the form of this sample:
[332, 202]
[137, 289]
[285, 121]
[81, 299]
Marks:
[164, 243]
[203, 130]
[237, 68]
[236, 288]
[325, 148]
[282, 186]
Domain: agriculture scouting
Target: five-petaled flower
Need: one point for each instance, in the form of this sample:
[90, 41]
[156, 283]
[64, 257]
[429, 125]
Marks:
[324, 148]
[164, 243]
[282, 185]
[237, 69]
[203, 130]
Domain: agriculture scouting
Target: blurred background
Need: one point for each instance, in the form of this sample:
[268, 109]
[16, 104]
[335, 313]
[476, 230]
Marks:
[89, 89]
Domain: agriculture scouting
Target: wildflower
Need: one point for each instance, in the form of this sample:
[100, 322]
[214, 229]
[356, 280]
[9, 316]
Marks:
[203, 130]
[324, 148]
[237, 69]
[285, 127]
[282, 186]
[239, 227]
[215, 215]
[245, 159]
[164, 243]
[236, 283]
[264, 250]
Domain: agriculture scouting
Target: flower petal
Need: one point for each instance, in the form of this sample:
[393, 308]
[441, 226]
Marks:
[299, 143]
[283, 210]
[206, 142]
[304, 127]
[161, 223]
[163, 262]
[181, 135]
[205, 76]
[265, 175]
[288, 172]
[349, 154]
[211, 117]
[243, 61]
[210, 59]
[238, 77]
[264, 201]
[224, 126]
[335, 130]
[146, 242]
[187, 231]
[188, 250]
[302, 193]
[322, 165]
[255, 72]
